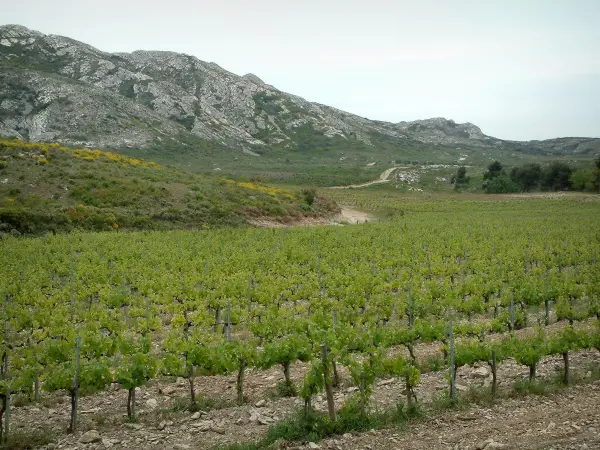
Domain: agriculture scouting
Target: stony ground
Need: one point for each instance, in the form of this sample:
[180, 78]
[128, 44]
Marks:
[567, 419]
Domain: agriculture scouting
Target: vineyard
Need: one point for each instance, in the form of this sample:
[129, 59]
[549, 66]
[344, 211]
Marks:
[328, 310]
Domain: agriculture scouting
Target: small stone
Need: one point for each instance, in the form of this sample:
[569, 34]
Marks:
[203, 426]
[551, 426]
[181, 447]
[480, 372]
[263, 421]
[313, 445]
[162, 425]
[493, 444]
[90, 437]
[351, 389]
[152, 403]
[386, 382]
[217, 429]
[196, 415]
[588, 374]
[261, 403]
[461, 387]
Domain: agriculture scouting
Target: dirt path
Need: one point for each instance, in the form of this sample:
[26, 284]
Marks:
[383, 178]
[354, 216]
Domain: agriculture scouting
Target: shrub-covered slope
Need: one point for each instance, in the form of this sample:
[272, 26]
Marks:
[46, 187]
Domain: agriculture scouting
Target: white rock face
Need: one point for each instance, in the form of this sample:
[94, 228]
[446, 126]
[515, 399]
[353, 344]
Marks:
[73, 93]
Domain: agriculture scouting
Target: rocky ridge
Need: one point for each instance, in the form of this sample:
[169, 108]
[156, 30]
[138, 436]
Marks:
[53, 88]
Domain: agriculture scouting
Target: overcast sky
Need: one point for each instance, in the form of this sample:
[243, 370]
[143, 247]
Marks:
[519, 69]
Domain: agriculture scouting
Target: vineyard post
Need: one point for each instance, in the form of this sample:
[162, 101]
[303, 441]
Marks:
[147, 315]
[327, 382]
[496, 306]
[228, 333]
[362, 392]
[240, 382]
[494, 382]
[566, 376]
[75, 391]
[6, 401]
[429, 265]
[410, 308]
[5, 369]
[512, 311]
[72, 289]
[547, 301]
[249, 294]
[336, 378]
[452, 368]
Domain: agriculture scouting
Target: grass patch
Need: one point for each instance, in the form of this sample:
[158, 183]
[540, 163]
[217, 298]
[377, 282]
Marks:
[29, 439]
[283, 390]
[315, 426]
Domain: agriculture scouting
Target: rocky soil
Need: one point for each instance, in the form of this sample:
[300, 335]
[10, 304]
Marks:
[565, 420]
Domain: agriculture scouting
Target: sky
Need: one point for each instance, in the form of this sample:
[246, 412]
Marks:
[519, 69]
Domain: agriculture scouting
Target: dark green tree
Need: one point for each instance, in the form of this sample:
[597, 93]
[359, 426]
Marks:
[557, 177]
[460, 178]
[527, 176]
[494, 170]
[502, 184]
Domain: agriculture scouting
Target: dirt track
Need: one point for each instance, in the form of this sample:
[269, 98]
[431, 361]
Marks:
[383, 178]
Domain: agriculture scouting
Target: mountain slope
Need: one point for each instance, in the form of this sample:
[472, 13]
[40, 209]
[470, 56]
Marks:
[46, 187]
[53, 88]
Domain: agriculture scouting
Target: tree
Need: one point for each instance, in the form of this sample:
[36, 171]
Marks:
[494, 171]
[557, 177]
[583, 180]
[460, 178]
[527, 176]
[501, 184]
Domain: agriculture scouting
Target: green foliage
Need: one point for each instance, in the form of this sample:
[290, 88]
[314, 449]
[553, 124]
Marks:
[309, 196]
[494, 170]
[138, 365]
[529, 351]
[29, 439]
[102, 191]
[557, 177]
[527, 176]
[461, 178]
[583, 180]
[500, 184]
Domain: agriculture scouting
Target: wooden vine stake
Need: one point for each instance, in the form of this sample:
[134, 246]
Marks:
[75, 390]
[336, 378]
[228, 332]
[547, 301]
[327, 383]
[362, 393]
[452, 366]
[512, 311]
[4, 372]
[494, 367]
